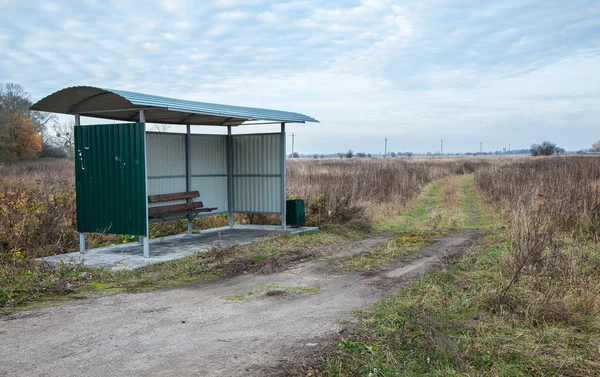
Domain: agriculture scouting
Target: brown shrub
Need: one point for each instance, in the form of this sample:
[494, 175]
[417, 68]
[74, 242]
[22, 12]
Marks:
[552, 207]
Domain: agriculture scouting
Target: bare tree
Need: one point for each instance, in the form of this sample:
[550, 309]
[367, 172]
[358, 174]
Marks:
[65, 138]
[14, 99]
[596, 146]
[160, 127]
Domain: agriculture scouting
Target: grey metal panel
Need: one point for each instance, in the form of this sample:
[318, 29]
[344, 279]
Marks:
[166, 186]
[257, 154]
[213, 191]
[209, 154]
[166, 154]
[89, 101]
[257, 194]
[257, 173]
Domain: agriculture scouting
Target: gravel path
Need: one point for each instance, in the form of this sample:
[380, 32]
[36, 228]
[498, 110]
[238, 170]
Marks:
[196, 330]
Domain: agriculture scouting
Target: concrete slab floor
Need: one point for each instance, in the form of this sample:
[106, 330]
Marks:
[130, 256]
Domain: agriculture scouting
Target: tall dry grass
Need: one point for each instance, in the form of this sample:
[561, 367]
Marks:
[37, 199]
[552, 268]
[342, 190]
[37, 208]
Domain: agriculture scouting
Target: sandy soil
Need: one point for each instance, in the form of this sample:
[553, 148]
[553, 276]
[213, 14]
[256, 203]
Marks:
[195, 331]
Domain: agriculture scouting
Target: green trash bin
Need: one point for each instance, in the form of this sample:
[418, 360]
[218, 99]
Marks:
[294, 212]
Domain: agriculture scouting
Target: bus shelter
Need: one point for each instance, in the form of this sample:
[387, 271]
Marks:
[123, 172]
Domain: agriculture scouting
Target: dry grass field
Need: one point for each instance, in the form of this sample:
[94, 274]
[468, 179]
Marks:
[524, 302]
[37, 199]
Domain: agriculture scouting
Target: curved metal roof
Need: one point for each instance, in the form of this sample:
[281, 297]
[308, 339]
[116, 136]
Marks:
[123, 105]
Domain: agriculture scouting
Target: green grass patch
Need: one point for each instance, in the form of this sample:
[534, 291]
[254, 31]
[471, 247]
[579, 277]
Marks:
[412, 239]
[413, 219]
[386, 252]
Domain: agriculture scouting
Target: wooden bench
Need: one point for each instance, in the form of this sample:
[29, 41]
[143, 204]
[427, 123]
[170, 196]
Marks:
[164, 212]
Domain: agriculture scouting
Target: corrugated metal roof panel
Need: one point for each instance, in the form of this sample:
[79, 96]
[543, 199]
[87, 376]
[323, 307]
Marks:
[122, 105]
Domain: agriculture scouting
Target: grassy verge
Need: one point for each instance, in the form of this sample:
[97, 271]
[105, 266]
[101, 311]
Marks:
[450, 323]
[444, 325]
[39, 283]
[445, 205]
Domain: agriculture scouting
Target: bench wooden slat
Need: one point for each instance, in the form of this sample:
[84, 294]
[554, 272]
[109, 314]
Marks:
[174, 208]
[164, 216]
[173, 196]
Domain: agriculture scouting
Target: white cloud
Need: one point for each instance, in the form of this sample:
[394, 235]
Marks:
[173, 5]
[51, 7]
[522, 70]
[231, 16]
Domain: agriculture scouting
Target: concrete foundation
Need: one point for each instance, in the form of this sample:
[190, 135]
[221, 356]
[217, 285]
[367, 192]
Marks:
[130, 256]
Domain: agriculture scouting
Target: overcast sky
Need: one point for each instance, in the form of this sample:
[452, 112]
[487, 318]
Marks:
[512, 71]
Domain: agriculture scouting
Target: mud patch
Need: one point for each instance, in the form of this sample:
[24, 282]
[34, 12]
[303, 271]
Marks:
[276, 292]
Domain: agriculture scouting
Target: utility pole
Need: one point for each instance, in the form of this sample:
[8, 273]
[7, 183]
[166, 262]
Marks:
[442, 147]
[509, 147]
[481, 147]
[293, 136]
[385, 153]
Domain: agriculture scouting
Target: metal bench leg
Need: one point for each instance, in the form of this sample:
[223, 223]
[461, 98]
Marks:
[190, 220]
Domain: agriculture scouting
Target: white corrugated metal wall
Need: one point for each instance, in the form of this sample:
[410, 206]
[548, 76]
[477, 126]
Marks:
[257, 173]
[256, 169]
[209, 169]
[166, 163]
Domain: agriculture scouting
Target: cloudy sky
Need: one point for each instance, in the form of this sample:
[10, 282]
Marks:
[466, 71]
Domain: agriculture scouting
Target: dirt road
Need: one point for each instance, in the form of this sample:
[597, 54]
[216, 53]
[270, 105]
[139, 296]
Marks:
[227, 327]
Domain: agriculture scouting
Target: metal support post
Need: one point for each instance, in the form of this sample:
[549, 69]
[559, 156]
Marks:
[82, 243]
[82, 248]
[283, 187]
[230, 176]
[188, 170]
[145, 240]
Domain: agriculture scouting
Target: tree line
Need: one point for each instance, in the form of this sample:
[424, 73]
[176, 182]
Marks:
[27, 135]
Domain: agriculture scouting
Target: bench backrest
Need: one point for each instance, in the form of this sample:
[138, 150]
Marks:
[173, 196]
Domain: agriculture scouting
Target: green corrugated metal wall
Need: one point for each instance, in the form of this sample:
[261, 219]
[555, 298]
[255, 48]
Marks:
[110, 178]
